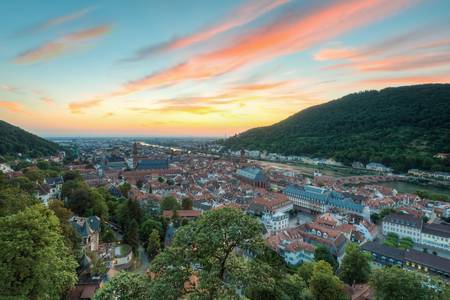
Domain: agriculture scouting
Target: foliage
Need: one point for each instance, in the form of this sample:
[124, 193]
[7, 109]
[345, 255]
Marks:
[207, 248]
[16, 140]
[431, 196]
[324, 285]
[393, 240]
[13, 200]
[124, 189]
[35, 262]
[322, 253]
[412, 123]
[355, 267]
[395, 283]
[148, 227]
[306, 270]
[170, 203]
[153, 244]
[131, 236]
[125, 286]
[186, 203]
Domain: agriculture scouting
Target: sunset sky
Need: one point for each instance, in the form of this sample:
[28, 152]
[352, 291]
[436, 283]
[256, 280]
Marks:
[205, 68]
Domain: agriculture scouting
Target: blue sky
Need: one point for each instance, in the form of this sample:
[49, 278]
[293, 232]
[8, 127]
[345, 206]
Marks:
[210, 68]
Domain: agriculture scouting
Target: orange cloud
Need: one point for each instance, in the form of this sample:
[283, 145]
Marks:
[334, 54]
[243, 15]
[62, 44]
[287, 35]
[192, 109]
[12, 107]
[407, 80]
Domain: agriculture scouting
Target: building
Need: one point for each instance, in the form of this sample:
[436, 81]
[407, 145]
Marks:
[319, 200]
[182, 214]
[378, 167]
[253, 176]
[89, 230]
[431, 235]
[408, 259]
[403, 226]
[275, 222]
[151, 164]
[270, 204]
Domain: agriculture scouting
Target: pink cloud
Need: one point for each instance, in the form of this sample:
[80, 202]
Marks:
[287, 35]
[243, 15]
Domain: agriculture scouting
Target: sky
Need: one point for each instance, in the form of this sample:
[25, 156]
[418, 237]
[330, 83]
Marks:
[206, 68]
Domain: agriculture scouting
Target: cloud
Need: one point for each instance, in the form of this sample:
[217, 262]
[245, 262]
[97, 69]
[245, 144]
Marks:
[13, 107]
[62, 45]
[242, 15]
[57, 21]
[423, 47]
[299, 31]
[10, 88]
[401, 80]
[192, 109]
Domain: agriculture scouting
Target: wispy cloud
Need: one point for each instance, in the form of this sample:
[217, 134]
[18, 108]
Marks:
[301, 30]
[47, 100]
[62, 45]
[57, 21]
[108, 114]
[192, 109]
[13, 107]
[244, 14]
[401, 80]
[9, 88]
[423, 47]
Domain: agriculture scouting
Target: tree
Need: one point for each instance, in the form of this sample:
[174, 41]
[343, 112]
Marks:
[13, 200]
[292, 287]
[139, 183]
[306, 270]
[148, 227]
[124, 189]
[355, 267]
[170, 203]
[186, 203]
[395, 283]
[34, 260]
[131, 236]
[207, 248]
[71, 175]
[125, 286]
[324, 285]
[153, 244]
[322, 253]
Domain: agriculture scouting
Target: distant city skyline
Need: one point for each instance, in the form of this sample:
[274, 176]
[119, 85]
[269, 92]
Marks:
[205, 68]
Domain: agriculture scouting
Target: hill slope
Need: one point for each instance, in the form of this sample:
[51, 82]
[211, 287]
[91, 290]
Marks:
[401, 127]
[15, 140]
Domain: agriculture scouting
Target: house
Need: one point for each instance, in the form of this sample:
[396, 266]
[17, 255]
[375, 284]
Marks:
[270, 204]
[182, 214]
[89, 230]
[408, 259]
[275, 222]
[151, 164]
[378, 167]
[432, 235]
[319, 200]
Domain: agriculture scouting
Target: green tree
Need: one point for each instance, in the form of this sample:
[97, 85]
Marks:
[396, 283]
[170, 203]
[186, 203]
[131, 236]
[324, 285]
[13, 200]
[153, 244]
[148, 227]
[306, 270]
[71, 175]
[322, 253]
[355, 267]
[34, 259]
[124, 189]
[207, 248]
[125, 286]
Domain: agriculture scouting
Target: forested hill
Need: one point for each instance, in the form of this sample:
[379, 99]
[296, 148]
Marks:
[403, 127]
[14, 140]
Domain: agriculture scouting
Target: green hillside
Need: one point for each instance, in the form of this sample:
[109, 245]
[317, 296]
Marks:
[14, 140]
[401, 127]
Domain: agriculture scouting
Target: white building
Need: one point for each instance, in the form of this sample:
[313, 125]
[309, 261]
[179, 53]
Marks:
[275, 222]
[432, 235]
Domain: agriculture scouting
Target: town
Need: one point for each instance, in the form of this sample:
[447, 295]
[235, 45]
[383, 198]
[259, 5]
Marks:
[300, 215]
